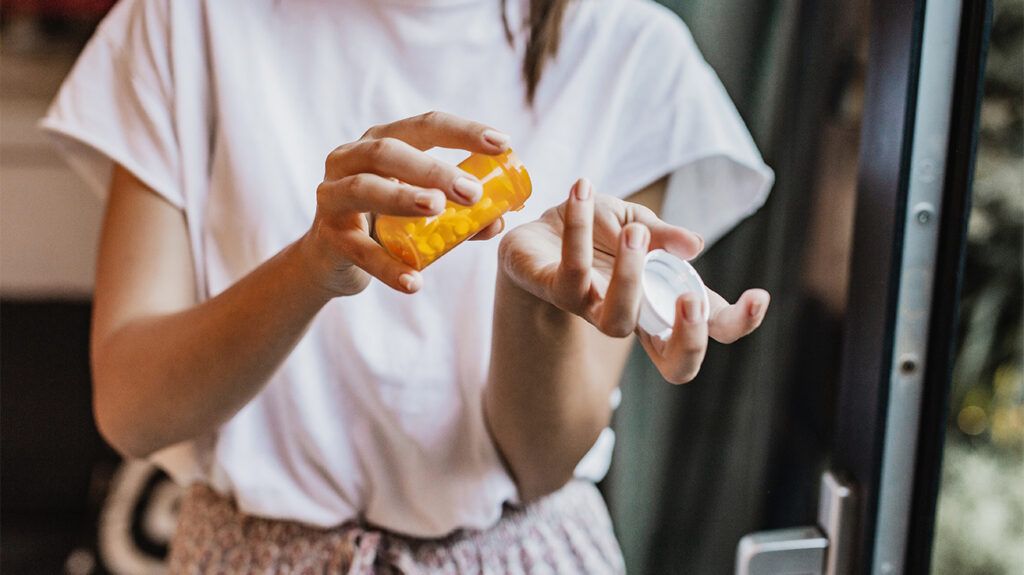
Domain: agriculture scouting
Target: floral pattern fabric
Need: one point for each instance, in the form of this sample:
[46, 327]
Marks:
[567, 532]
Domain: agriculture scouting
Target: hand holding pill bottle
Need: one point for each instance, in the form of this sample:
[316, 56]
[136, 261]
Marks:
[419, 241]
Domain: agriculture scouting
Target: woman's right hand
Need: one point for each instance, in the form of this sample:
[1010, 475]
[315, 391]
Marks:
[388, 172]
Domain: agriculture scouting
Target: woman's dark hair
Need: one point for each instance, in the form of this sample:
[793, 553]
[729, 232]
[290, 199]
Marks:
[544, 31]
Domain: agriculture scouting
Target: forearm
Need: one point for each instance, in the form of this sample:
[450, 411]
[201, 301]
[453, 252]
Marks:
[166, 369]
[548, 393]
[167, 378]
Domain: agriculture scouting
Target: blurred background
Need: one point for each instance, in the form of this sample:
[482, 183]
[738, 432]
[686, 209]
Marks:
[980, 527]
[697, 467]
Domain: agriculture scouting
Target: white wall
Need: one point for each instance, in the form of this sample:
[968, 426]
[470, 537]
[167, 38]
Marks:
[49, 221]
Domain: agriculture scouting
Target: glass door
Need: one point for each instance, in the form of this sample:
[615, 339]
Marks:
[876, 505]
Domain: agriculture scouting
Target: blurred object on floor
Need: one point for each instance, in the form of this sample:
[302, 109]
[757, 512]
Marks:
[139, 516]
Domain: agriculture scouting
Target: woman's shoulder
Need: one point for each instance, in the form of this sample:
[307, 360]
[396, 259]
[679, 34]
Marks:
[629, 26]
[157, 18]
[632, 19]
[153, 19]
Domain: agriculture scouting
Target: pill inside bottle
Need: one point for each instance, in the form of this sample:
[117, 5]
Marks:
[666, 278]
[420, 241]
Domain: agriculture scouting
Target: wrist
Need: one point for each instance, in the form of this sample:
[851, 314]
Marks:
[546, 318]
[313, 267]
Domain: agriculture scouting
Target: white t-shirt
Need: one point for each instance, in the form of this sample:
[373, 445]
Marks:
[228, 109]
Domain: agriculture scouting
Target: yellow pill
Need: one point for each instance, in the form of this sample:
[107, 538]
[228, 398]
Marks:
[484, 203]
[427, 232]
[447, 233]
[425, 248]
[461, 227]
[436, 241]
[410, 228]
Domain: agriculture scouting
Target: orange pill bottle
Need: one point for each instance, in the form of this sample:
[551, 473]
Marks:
[419, 241]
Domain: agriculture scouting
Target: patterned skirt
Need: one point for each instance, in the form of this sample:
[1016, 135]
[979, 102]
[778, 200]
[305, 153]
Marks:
[567, 532]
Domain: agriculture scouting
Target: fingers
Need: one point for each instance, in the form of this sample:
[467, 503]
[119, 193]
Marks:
[393, 158]
[679, 359]
[371, 257]
[372, 193]
[654, 346]
[728, 323]
[621, 303]
[495, 228]
[438, 129]
[678, 241]
[573, 278]
[684, 352]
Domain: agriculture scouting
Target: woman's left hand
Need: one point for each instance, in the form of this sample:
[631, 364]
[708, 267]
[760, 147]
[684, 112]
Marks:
[586, 257]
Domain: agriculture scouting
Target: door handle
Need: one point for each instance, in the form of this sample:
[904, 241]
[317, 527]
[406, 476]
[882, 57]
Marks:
[821, 550]
[794, 551]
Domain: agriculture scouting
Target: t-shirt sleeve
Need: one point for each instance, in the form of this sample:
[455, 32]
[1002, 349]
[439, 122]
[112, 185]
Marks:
[117, 104]
[679, 121]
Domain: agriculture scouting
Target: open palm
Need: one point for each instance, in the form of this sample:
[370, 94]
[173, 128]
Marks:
[586, 257]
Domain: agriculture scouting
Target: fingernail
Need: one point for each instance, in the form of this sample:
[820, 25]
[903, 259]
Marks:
[407, 281]
[755, 309]
[636, 237]
[691, 310]
[467, 189]
[496, 138]
[700, 238]
[429, 201]
[583, 189]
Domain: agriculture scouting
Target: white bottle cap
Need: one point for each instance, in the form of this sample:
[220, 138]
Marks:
[666, 277]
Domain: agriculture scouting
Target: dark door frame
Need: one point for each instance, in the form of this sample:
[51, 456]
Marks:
[891, 100]
[975, 26]
[886, 128]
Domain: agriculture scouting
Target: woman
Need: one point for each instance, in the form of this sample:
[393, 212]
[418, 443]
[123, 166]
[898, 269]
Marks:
[330, 407]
